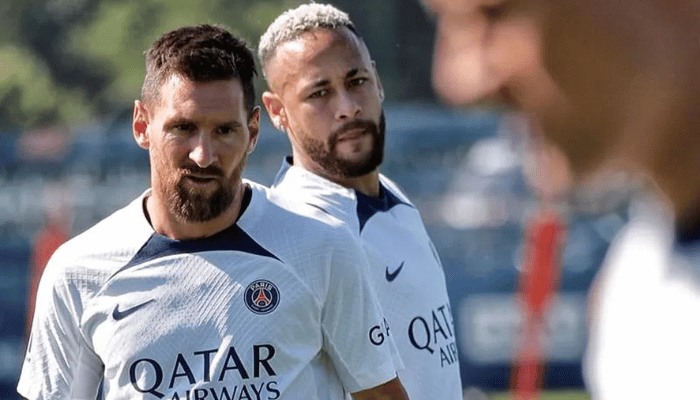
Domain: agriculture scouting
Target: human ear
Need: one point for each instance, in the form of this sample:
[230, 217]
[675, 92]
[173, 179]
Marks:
[275, 109]
[139, 125]
[253, 129]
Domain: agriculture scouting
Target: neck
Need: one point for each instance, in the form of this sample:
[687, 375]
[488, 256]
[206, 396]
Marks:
[367, 184]
[167, 224]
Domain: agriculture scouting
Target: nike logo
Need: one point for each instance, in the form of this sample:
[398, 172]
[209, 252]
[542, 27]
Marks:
[117, 315]
[390, 276]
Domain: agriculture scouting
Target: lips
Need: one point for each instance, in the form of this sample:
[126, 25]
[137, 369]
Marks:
[352, 134]
[201, 175]
[200, 179]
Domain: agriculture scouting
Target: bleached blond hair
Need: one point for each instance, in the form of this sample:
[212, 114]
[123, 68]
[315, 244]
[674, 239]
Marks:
[294, 22]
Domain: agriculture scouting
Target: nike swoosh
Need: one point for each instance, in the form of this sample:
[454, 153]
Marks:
[117, 315]
[390, 276]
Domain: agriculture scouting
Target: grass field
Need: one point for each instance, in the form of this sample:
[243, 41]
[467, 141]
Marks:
[549, 395]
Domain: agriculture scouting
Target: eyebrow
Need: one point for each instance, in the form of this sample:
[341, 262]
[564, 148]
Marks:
[169, 124]
[233, 123]
[350, 74]
[355, 71]
[184, 121]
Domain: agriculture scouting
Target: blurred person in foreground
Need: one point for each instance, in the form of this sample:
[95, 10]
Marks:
[325, 94]
[615, 86]
[202, 287]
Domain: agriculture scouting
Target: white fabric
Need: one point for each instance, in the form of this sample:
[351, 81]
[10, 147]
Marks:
[175, 325]
[415, 302]
[645, 313]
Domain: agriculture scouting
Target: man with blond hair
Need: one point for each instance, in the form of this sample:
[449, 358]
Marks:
[325, 94]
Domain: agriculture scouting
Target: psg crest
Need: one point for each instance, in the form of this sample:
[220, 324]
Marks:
[261, 296]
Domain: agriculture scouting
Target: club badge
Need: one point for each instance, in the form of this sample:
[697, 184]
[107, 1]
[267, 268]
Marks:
[262, 296]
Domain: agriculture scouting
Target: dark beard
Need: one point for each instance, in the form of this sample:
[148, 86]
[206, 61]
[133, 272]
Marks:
[325, 154]
[194, 206]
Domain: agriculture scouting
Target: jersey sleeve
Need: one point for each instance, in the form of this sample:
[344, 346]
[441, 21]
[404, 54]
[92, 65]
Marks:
[58, 364]
[356, 335]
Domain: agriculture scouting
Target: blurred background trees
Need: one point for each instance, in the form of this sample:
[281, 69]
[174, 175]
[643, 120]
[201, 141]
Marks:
[70, 61]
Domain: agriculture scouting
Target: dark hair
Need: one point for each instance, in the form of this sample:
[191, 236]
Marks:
[202, 53]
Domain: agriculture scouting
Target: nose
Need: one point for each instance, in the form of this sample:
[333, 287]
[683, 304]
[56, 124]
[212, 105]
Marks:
[202, 150]
[461, 71]
[348, 106]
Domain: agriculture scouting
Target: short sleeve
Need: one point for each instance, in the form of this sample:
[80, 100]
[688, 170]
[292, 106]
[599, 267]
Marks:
[356, 335]
[58, 364]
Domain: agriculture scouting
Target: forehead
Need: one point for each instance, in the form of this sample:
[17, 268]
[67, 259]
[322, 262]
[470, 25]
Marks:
[319, 54]
[188, 98]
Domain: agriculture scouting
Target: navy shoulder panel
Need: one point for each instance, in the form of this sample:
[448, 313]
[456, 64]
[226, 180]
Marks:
[368, 206]
[232, 238]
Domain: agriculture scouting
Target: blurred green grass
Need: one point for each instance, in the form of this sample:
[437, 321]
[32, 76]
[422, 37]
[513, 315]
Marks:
[549, 395]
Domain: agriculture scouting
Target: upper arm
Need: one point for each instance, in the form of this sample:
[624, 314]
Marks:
[392, 390]
[354, 329]
[56, 348]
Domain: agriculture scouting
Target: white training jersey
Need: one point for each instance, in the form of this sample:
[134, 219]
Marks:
[406, 272]
[277, 306]
[644, 340]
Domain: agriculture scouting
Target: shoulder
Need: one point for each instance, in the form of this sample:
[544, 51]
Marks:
[309, 194]
[286, 216]
[113, 238]
[92, 256]
[302, 207]
[312, 243]
[394, 189]
[284, 212]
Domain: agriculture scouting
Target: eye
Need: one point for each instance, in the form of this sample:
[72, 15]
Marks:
[225, 130]
[358, 81]
[184, 128]
[318, 94]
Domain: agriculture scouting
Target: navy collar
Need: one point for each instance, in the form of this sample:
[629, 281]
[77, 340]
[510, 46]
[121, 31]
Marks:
[232, 238]
[367, 206]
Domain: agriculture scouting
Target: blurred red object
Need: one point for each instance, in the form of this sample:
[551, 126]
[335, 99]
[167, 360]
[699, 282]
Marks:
[50, 237]
[538, 283]
[52, 143]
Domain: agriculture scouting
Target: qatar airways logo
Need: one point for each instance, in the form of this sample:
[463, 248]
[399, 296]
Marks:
[226, 381]
[434, 334]
[379, 333]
